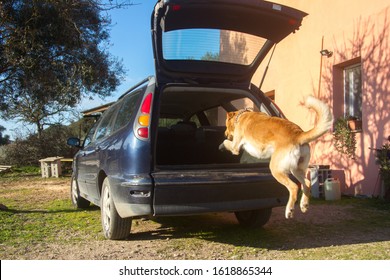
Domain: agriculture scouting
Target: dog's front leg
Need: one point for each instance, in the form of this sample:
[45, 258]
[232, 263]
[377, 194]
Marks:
[230, 146]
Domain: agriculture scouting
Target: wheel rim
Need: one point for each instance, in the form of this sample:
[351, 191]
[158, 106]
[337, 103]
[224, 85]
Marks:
[106, 208]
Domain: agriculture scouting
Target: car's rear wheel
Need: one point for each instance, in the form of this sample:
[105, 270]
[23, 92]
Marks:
[114, 227]
[77, 201]
[254, 218]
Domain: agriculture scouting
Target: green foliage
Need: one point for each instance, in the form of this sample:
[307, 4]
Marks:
[26, 170]
[4, 139]
[344, 138]
[53, 53]
[51, 143]
[211, 56]
[383, 157]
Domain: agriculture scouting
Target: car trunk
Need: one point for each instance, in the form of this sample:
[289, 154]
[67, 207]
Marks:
[191, 174]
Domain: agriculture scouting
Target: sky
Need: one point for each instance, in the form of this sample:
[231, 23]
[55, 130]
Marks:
[130, 41]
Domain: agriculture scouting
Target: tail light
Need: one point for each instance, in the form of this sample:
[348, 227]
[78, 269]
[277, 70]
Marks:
[142, 124]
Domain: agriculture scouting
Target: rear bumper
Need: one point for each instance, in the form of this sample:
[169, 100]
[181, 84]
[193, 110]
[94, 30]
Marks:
[133, 195]
[189, 192]
[195, 192]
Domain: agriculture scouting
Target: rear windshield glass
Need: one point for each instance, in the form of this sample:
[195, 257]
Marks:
[211, 45]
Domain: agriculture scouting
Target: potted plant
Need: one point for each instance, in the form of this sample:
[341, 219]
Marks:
[344, 137]
[354, 123]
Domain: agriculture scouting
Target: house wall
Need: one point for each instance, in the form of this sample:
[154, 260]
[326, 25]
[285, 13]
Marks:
[354, 30]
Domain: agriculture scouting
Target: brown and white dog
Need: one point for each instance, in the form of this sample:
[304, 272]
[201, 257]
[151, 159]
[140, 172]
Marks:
[284, 142]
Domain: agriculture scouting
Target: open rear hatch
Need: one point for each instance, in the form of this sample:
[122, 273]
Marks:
[217, 41]
[211, 48]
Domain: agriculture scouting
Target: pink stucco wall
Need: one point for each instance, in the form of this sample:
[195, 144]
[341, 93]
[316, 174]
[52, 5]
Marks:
[354, 30]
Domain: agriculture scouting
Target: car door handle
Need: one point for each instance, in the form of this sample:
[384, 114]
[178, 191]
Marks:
[86, 153]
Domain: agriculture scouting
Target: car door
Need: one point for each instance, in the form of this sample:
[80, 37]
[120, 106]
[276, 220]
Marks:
[91, 156]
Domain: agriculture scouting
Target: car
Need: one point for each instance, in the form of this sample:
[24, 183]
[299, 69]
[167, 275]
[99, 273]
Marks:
[155, 151]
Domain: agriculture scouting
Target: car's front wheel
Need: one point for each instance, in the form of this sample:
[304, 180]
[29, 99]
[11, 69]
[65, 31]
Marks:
[114, 227]
[77, 201]
[254, 218]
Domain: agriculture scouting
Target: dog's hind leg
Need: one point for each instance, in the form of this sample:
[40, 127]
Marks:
[300, 175]
[293, 192]
[299, 172]
[292, 188]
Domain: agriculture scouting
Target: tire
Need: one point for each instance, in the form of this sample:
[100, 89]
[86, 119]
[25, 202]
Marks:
[77, 201]
[254, 218]
[114, 227]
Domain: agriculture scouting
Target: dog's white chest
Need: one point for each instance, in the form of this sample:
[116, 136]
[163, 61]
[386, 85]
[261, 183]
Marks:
[263, 153]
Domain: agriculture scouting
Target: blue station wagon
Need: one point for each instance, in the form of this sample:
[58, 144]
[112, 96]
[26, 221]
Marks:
[154, 152]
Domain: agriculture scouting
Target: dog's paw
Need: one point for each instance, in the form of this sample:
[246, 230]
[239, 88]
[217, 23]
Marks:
[289, 213]
[222, 147]
[304, 207]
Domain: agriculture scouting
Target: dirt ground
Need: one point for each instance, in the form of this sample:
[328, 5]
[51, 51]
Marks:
[327, 231]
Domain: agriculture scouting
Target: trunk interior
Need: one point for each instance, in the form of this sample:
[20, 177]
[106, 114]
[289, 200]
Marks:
[186, 144]
[192, 126]
[191, 174]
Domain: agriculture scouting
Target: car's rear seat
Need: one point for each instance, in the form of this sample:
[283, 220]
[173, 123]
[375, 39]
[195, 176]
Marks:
[184, 143]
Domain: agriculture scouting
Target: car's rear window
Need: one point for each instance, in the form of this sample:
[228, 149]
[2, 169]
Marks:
[211, 45]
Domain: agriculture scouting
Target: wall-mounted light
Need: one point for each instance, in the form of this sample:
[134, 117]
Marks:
[326, 53]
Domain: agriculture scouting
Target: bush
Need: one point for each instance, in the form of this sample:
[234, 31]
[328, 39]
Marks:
[29, 151]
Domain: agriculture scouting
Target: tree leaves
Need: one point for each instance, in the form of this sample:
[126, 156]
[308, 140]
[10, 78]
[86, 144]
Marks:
[52, 54]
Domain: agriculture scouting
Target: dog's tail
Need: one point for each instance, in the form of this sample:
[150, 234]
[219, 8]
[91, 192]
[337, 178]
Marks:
[324, 121]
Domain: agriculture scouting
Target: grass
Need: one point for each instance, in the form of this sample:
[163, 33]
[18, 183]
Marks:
[33, 215]
[47, 222]
[40, 212]
[18, 171]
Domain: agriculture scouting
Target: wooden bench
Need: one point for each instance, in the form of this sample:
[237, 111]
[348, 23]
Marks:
[51, 166]
[5, 168]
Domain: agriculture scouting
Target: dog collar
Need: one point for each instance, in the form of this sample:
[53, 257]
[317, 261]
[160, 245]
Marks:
[242, 111]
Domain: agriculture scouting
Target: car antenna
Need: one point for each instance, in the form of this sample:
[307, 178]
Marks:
[266, 68]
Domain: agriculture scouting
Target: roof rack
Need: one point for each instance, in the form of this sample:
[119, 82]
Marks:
[135, 86]
[100, 109]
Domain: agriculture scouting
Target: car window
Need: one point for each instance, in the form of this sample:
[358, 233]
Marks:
[216, 116]
[211, 45]
[126, 110]
[168, 122]
[105, 125]
[88, 138]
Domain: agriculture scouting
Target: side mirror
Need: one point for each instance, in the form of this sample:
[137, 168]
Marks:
[74, 142]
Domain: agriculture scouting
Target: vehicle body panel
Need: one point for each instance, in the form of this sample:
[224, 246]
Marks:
[159, 170]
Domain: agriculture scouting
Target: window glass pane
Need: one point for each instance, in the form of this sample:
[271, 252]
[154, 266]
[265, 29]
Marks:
[211, 45]
[88, 138]
[216, 116]
[353, 91]
[126, 110]
[104, 127]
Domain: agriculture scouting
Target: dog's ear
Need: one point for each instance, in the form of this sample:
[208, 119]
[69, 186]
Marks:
[230, 115]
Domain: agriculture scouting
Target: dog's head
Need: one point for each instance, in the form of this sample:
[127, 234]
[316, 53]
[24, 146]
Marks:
[230, 124]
